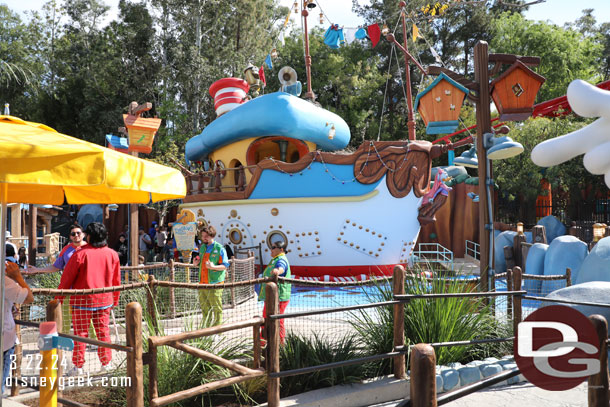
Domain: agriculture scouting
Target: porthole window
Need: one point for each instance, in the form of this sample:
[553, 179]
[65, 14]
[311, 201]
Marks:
[276, 236]
[235, 236]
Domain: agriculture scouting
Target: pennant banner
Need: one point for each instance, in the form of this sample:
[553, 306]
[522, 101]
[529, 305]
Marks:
[415, 32]
[261, 75]
[268, 61]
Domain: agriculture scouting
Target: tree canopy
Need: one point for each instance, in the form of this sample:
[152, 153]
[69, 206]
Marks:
[69, 68]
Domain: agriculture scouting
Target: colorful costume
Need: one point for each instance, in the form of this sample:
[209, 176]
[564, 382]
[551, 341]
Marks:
[211, 300]
[283, 288]
[333, 37]
[92, 267]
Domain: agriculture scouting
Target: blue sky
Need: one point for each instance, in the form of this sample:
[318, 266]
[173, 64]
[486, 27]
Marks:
[339, 11]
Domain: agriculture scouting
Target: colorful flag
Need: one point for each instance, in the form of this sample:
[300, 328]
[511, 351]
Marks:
[374, 33]
[261, 75]
[415, 32]
[268, 61]
[436, 56]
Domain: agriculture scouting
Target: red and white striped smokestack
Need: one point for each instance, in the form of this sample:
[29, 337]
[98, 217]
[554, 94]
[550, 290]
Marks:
[228, 93]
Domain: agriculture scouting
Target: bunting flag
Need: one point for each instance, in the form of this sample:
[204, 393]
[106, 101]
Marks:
[415, 32]
[436, 56]
[268, 61]
[261, 75]
[287, 18]
[374, 33]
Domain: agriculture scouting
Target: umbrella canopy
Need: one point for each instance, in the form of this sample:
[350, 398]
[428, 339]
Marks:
[39, 165]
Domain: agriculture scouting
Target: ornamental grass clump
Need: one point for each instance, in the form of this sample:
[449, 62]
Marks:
[450, 319]
[300, 352]
[430, 320]
[177, 370]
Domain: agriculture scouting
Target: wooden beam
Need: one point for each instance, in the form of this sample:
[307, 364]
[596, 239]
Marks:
[392, 39]
[517, 310]
[210, 357]
[461, 79]
[399, 323]
[136, 110]
[153, 384]
[273, 345]
[135, 365]
[166, 340]
[423, 376]
[483, 117]
[510, 58]
[204, 388]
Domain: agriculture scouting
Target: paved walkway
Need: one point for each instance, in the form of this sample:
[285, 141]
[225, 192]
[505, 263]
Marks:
[524, 394]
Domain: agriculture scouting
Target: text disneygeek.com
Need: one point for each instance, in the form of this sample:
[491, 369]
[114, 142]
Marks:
[71, 381]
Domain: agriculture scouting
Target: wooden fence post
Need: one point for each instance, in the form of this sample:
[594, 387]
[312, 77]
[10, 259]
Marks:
[517, 300]
[509, 298]
[135, 366]
[517, 254]
[54, 314]
[151, 306]
[399, 323]
[568, 277]
[232, 271]
[273, 344]
[423, 376]
[153, 384]
[539, 234]
[598, 383]
[172, 294]
[509, 256]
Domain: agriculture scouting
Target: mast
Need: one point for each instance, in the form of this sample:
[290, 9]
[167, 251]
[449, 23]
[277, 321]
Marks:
[410, 114]
[390, 37]
[309, 94]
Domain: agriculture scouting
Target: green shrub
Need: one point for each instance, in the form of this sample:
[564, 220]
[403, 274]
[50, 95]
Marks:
[300, 352]
[431, 320]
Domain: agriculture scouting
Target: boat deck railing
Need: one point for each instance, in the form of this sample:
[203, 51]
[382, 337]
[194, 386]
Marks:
[473, 250]
[434, 253]
[211, 181]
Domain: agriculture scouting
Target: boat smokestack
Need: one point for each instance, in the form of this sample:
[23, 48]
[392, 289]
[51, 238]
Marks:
[228, 93]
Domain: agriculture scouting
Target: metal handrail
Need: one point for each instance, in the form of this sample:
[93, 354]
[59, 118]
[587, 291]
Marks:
[474, 248]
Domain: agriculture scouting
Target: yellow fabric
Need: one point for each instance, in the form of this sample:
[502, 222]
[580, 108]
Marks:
[39, 165]
[415, 32]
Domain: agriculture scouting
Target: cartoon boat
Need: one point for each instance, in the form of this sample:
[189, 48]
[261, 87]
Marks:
[278, 171]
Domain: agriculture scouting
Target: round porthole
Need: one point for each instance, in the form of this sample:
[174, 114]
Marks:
[235, 236]
[276, 236]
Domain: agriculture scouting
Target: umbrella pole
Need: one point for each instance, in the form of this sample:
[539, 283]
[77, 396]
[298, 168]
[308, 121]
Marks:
[3, 216]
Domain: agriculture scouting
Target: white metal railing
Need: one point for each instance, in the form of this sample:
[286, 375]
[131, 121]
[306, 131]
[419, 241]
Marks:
[473, 250]
[434, 253]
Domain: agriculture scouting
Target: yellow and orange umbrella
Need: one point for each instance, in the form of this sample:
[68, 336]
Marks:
[38, 165]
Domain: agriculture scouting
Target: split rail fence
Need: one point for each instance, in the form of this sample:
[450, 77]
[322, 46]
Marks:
[173, 317]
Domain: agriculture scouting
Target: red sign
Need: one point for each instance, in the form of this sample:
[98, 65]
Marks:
[557, 348]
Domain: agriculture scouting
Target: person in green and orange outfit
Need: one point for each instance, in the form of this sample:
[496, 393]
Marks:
[213, 263]
[280, 267]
